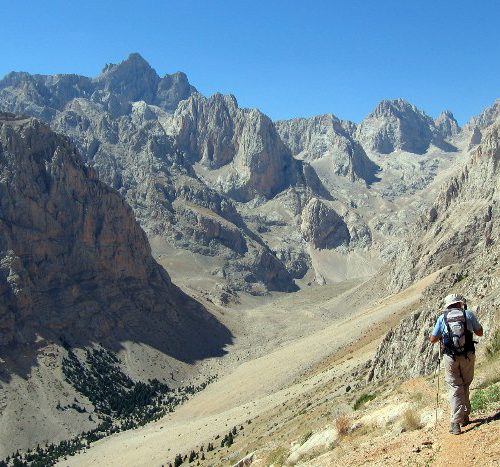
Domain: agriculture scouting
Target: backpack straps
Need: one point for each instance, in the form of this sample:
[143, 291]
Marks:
[449, 348]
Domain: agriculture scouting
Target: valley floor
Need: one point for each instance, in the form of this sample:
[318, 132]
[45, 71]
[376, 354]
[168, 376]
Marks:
[330, 332]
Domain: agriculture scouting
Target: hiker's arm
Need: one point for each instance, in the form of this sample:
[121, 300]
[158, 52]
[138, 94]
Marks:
[476, 327]
[436, 332]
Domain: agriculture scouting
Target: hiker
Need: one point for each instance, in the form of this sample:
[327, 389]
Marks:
[454, 329]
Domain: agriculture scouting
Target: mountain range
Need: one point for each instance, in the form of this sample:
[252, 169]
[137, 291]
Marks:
[109, 182]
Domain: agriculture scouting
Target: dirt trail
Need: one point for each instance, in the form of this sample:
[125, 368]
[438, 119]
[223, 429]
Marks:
[478, 445]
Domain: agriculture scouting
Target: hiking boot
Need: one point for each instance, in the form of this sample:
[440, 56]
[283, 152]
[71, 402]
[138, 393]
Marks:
[455, 428]
[466, 421]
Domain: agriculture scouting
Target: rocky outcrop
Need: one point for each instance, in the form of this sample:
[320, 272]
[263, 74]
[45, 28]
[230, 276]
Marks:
[446, 125]
[242, 143]
[477, 125]
[475, 138]
[486, 118]
[398, 125]
[462, 235]
[325, 136]
[115, 88]
[74, 263]
[325, 228]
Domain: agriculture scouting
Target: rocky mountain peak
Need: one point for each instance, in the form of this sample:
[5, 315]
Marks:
[133, 61]
[118, 85]
[447, 125]
[325, 136]
[486, 118]
[398, 125]
[393, 108]
[133, 79]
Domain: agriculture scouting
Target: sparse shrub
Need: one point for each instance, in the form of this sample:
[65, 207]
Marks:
[411, 420]
[277, 456]
[493, 349]
[305, 437]
[343, 424]
[363, 400]
[483, 397]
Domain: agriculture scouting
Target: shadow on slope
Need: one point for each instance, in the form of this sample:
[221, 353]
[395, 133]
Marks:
[76, 267]
[181, 328]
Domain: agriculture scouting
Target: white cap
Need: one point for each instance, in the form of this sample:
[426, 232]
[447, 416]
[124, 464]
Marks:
[452, 299]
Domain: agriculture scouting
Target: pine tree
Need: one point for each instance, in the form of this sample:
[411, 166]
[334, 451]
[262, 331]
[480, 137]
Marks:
[178, 460]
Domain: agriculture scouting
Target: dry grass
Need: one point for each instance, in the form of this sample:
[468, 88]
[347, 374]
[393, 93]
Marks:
[277, 456]
[343, 423]
[411, 420]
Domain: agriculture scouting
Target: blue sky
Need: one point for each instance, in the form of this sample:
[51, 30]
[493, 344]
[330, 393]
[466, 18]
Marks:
[287, 58]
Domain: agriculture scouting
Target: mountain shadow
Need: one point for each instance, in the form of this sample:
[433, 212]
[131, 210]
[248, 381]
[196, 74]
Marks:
[76, 267]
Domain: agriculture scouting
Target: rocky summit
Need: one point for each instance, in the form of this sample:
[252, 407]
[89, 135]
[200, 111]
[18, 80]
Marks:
[206, 177]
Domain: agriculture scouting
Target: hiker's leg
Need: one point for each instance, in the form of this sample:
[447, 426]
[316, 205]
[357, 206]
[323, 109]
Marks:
[467, 370]
[456, 392]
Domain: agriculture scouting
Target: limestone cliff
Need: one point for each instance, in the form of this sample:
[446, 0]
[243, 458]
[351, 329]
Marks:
[326, 136]
[461, 235]
[398, 125]
[242, 143]
[74, 263]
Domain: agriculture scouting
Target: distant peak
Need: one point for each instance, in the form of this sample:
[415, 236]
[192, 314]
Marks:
[137, 57]
[446, 115]
[396, 108]
[133, 61]
[393, 104]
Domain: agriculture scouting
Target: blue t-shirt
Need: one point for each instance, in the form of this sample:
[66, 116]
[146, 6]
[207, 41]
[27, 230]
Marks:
[472, 324]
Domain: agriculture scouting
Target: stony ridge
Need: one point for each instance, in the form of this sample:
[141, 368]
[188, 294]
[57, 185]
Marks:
[460, 234]
[74, 263]
[132, 80]
[326, 136]
[398, 125]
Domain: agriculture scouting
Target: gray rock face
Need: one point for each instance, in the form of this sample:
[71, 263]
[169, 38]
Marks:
[397, 125]
[462, 233]
[118, 85]
[129, 144]
[447, 125]
[74, 263]
[324, 227]
[242, 143]
[486, 118]
[475, 138]
[327, 136]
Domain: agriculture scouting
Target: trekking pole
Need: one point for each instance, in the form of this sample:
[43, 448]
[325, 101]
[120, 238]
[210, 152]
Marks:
[437, 391]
